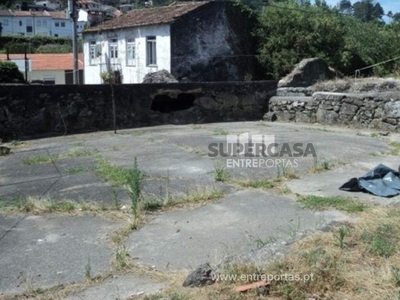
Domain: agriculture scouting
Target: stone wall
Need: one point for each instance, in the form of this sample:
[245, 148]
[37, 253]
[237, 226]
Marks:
[373, 110]
[213, 43]
[37, 110]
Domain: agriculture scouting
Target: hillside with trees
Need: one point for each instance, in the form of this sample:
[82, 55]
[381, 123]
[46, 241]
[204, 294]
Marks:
[348, 36]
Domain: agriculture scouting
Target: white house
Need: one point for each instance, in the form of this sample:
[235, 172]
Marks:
[47, 68]
[135, 53]
[61, 24]
[30, 23]
[197, 40]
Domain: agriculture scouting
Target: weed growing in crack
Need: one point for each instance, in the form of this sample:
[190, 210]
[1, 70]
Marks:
[220, 172]
[88, 270]
[260, 243]
[114, 194]
[39, 160]
[134, 185]
[395, 275]
[319, 167]
[281, 170]
[340, 235]
[122, 259]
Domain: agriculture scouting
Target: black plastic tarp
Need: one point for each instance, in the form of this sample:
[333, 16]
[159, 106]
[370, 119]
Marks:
[380, 181]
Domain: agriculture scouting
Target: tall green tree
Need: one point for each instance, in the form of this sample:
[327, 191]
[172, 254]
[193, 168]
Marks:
[345, 7]
[368, 10]
[289, 33]
[9, 73]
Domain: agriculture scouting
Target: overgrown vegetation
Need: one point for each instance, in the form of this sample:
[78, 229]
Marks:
[337, 202]
[36, 206]
[36, 44]
[38, 160]
[352, 261]
[348, 38]
[220, 172]
[9, 73]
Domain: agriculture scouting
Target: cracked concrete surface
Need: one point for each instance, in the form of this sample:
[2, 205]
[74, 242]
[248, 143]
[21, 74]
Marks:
[54, 249]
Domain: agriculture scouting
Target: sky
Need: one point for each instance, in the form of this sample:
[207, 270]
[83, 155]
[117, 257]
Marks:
[387, 5]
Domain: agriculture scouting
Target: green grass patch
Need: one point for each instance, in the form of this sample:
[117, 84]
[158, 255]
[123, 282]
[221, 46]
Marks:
[257, 184]
[137, 133]
[193, 196]
[81, 153]
[76, 170]
[39, 160]
[394, 148]
[199, 195]
[340, 203]
[219, 131]
[382, 242]
[36, 206]
[116, 175]
[77, 144]
[16, 143]
[220, 172]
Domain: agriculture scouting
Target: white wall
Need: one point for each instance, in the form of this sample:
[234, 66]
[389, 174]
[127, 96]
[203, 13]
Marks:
[131, 74]
[7, 24]
[61, 31]
[58, 75]
[17, 25]
[40, 26]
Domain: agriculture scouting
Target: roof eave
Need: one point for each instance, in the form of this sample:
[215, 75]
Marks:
[94, 29]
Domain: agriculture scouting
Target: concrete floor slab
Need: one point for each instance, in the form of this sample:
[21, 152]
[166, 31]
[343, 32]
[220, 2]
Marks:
[50, 250]
[15, 168]
[327, 184]
[185, 239]
[120, 287]
[44, 251]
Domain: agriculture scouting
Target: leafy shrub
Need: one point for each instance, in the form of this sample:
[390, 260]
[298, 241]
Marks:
[9, 73]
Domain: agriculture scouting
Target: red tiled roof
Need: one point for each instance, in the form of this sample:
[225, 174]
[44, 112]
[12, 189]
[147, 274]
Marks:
[5, 12]
[58, 14]
[23, 13]
[49, 61]
[149, 16]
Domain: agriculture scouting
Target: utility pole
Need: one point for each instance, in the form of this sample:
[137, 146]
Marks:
[26, 63]
[74, 16]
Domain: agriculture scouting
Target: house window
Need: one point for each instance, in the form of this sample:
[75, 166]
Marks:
[62, 24]
[29, 29]
[94, 52]
[130, 52]
[20, 23]
[151, 54]
[57, 24]
[49, 80]
[114, 49]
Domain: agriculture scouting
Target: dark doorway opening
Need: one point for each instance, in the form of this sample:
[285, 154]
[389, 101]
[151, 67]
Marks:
[166, 104]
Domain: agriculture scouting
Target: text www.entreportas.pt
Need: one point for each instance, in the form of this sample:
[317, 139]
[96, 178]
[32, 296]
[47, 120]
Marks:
[264, 277]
